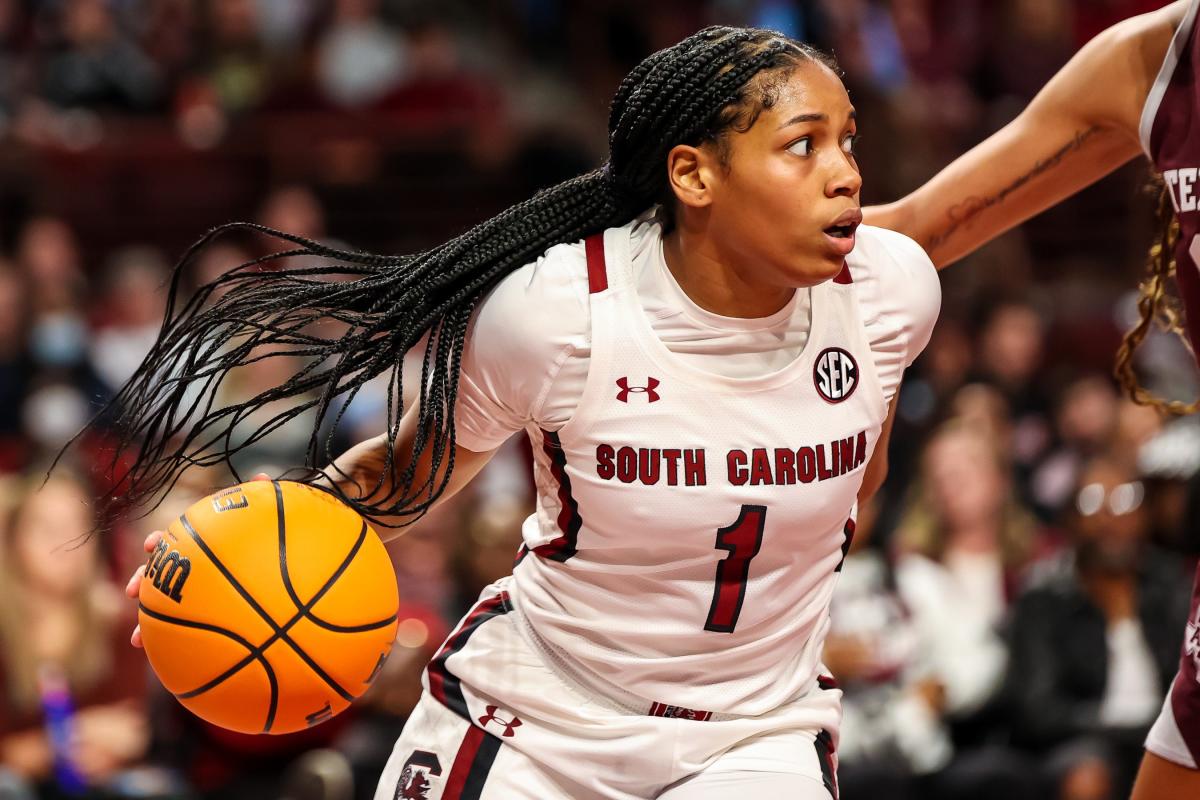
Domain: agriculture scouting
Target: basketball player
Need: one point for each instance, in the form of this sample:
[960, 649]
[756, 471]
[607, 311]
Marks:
[704, 347]
[1133, 89]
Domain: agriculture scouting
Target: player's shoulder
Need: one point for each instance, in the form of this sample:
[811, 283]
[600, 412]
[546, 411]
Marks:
[890, 268]
[557, 275]
[542, 301]
[884, 249]
[1127, 57]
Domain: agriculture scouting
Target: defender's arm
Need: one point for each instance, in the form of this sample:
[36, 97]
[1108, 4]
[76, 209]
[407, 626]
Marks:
[1082, 125]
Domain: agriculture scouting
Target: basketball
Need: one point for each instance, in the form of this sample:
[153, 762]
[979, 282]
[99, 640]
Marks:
[268, 607]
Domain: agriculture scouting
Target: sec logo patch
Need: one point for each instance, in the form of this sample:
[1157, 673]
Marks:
[835, 374]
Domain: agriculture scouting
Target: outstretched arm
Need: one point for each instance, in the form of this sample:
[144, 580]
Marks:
[1081, 126]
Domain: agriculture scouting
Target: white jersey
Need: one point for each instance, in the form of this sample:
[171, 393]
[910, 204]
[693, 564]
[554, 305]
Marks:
[690, 522]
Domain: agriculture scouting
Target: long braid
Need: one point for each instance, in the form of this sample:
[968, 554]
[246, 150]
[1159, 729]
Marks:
[1155, 307]
[167, 417]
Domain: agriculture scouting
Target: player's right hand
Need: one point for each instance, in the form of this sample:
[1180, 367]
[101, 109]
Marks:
[134, 587]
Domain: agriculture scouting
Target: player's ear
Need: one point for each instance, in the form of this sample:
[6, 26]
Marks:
[691, 173]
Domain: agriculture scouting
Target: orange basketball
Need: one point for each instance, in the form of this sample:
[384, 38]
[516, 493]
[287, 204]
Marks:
[268, 607]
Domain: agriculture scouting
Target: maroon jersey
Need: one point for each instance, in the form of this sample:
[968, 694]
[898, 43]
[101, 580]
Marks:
[1170, 133]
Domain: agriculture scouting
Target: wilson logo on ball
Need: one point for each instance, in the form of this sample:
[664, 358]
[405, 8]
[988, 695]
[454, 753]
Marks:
[168, 571]
[835, 374]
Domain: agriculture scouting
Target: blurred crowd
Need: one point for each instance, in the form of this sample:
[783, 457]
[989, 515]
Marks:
[1014, 605]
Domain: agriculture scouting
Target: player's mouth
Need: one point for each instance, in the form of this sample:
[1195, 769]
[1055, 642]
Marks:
[840, 234]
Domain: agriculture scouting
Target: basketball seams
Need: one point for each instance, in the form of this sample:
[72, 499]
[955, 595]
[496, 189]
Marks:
[256, 653]
[306, 609]
[281, 632]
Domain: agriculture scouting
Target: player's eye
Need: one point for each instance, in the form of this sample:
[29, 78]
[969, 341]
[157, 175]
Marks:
[850, 143]
[801, 147]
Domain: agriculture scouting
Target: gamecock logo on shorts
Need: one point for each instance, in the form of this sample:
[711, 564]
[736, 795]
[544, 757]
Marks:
[648, 389]
[414, 780]
[835, 374]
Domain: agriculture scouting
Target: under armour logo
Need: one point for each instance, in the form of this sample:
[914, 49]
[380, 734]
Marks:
[648, 389]
[509, 725]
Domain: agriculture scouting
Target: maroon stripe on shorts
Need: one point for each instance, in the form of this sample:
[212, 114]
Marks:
[474, 761]
[444, 684]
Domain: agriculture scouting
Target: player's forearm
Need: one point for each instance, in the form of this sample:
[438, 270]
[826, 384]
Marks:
[363, 472]
[1002, 182]
[1081, 126]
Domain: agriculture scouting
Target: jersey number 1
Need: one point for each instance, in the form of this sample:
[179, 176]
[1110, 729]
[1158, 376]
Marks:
[742, 541]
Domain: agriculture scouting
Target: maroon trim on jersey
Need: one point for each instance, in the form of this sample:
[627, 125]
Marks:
[827, 756]
[474, 761]
[844, 277]
[444, 685]
[597, 271]
[1174, 144]
[569, 521]
[1185, 691]
[678, 712]
[826, 682]
[847, 542]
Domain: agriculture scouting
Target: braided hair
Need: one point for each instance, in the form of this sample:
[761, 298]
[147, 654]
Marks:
[1155, 307]
[166, 416]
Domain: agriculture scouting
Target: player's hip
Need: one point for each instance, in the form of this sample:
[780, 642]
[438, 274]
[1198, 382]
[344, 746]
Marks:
[491, 677]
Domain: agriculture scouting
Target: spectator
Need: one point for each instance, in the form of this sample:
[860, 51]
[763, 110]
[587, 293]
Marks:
[14, 364]
[1095, 641]
[98, 65]
[963, 541]
[1085, 423]
[360, 58]
[63, 626]
[1010, 351]
[133, 306]
[892, 726]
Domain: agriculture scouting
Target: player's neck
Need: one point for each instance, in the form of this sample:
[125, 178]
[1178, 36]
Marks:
[714, 284]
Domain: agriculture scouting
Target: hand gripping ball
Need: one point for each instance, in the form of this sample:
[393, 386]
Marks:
[268, 607]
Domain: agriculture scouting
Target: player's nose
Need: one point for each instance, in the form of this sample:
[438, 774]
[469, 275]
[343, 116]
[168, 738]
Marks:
[844, 178]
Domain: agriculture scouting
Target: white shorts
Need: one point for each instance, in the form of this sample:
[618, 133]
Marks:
[497, 723]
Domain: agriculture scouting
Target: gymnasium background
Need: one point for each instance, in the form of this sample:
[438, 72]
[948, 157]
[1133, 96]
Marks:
[965, 638]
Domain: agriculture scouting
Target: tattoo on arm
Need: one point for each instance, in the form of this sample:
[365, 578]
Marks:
[964, 213]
